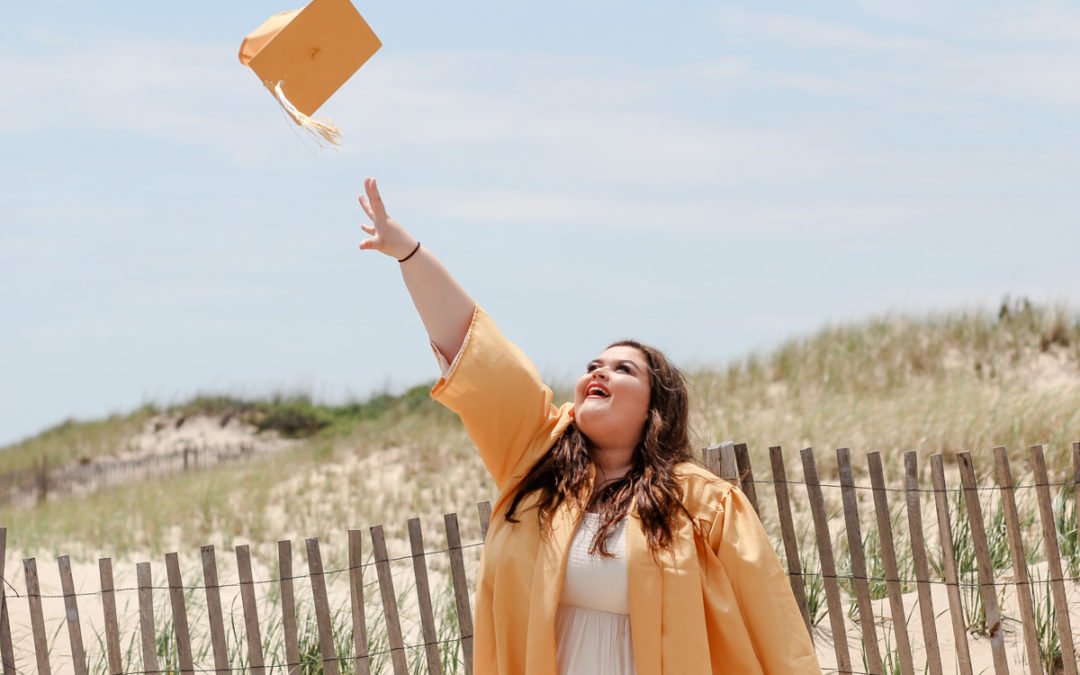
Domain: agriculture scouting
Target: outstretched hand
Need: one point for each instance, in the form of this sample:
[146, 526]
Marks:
[387, 235]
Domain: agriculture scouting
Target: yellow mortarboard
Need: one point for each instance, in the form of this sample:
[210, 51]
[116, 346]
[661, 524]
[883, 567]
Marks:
[305, 55]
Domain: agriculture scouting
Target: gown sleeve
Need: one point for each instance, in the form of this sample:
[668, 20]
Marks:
[499, 396]
[762, 593]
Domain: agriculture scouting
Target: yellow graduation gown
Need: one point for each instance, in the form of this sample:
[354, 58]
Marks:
[719, 603]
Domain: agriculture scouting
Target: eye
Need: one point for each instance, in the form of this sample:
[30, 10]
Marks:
[591, 367]
[623, 368]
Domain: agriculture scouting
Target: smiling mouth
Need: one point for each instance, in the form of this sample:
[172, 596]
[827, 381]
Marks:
[597, 391]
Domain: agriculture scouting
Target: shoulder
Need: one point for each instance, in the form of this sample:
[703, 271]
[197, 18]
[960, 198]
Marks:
[704, 493]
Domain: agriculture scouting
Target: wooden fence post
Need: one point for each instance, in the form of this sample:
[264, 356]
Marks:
[871, 649]
[746, 475]
[483, 509]
[948, 553]
[461, 588]
[423, 596]
[7, 649]
[1019, 560]
[389, 601]
[179, 613]
[987, 589]
[146, 618]
[322, 608]
[1076, 483]
[108, 608]
[288, 607]
[356, 596]
[927, 617]
[1053, 559]
[71, 607]
[888, 554]
[37, 621]
[787, 529]
[828, 563]
[251, 610]
[720, 459]
[213, 610]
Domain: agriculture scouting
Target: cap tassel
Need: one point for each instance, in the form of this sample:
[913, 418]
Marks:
[320, 128]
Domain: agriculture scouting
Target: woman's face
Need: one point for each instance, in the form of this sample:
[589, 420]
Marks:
[611, 400]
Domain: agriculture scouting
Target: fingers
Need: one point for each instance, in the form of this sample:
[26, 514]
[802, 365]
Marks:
[374, 198]
[381, 226]
[364, 204]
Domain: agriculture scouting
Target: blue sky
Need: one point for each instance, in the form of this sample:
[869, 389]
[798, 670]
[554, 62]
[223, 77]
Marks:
[709, 177]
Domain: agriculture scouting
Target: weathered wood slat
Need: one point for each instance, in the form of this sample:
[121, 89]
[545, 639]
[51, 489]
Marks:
[108, 608]
[948, 554]
[37, 621]
[712, 458]
[1053, 559]
[461, 588]
[746, 474]
[888, 555]
[729, 468]
[1076, 482]
[787, 530]
[927, 618]
[71, 609]
[423, 596]
[288, 607]
[356, 597]
[389, 601]
[871, 648]
[322, 607]
[146, 618]
[7, 649]
[256, 663]
[987, 589]
[179, 613]
[720, 459]
[213, 610]
[828, 564]
[484, 511]
[1019, 561]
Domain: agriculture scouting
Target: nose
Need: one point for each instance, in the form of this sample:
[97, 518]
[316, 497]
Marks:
[601, 373]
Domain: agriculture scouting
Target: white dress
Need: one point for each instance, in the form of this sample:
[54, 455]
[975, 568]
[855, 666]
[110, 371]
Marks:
[592, 626]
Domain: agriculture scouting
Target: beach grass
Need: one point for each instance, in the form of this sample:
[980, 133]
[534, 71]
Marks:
[965, 381]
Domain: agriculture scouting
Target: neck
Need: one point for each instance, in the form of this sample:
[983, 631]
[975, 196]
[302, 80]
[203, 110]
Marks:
[611, 463]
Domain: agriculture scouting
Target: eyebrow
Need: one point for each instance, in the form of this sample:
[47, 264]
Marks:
[598, 362]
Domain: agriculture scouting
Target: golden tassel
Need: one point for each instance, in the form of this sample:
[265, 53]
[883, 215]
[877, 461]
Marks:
[320, 128]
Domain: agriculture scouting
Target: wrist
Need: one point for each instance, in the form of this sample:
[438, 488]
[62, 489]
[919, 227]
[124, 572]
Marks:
[410, 253]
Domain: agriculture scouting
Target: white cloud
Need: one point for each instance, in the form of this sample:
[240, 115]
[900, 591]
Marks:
[604, 126]
[169, 90]
[1038, 23]
[793, 30]
[1022, 54]
[819, 217]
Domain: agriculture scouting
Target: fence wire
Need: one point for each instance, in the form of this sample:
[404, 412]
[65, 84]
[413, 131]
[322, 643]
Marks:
[909, 583]
[924, 491]
[804, 573]
[285, 666]
[254, 582]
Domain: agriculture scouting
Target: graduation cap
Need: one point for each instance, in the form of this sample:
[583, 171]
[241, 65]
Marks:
[305, 55]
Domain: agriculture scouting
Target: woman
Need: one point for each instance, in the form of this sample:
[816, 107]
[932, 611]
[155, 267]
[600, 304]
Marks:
[609, 552]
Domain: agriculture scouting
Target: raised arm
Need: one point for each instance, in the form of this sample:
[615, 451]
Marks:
[444, 306]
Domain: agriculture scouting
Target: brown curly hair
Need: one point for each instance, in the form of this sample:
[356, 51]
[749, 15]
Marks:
[563, 473]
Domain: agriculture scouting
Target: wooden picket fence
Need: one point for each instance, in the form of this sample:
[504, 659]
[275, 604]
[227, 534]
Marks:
[23, 487]
[733, 463]
[167, 645]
